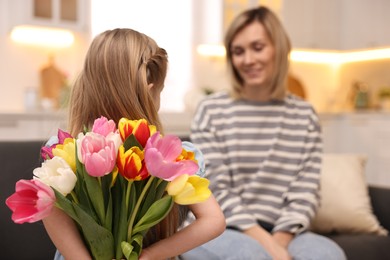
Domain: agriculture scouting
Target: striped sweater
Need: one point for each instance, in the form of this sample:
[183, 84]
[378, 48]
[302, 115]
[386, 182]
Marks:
[263, 159]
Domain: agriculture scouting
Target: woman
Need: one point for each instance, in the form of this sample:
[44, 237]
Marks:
[263, 149]
[123, 76]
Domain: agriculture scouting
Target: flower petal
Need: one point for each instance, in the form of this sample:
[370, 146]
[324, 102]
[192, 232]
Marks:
[166, 170]
[32, 201]
[177, 185]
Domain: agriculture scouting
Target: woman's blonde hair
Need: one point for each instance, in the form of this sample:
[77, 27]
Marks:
[279, 39]
[119, 66]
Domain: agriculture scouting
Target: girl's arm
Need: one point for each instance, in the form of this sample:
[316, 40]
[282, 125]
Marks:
[65, 235]
[209, 223]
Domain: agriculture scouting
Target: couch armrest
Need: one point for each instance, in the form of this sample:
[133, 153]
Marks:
[380, 199]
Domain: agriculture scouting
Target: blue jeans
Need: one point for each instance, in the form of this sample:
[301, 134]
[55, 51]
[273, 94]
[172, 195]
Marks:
[234, 245]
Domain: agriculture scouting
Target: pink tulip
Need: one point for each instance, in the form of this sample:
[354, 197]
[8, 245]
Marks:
[103, 126]
[62, 135]
[161, 155]
[97, 154]
[47, 150]
[32, 201]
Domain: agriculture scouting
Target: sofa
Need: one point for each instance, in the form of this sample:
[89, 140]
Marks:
[20, 241]
[368, 246]
[30, 241]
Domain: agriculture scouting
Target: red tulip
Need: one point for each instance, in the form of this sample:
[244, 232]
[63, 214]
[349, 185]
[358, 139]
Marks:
[139, 128]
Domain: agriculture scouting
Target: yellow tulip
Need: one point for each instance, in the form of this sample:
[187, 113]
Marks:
[187, 190]
[67, 151]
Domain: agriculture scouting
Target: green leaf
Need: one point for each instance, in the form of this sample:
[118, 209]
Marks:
[106, 181]
[149, 198]
[81, 190]
[95, 194]
[132, 199]
[133, 256]
[136, 242]
[108, 220]
[98, 239]
[80, 179]
[127, 249]
[161, 189]
[138, 238]
[130, 142]
[155, 214]
[120, 215]
[66, 205]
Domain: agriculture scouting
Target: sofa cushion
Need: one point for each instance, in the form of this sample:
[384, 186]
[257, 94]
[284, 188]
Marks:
[345, 203]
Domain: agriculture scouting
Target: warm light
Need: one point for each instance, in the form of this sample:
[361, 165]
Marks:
[311, 56]
[364, 55]
[339, 57]
[315, 56]
[211, 50]
[42, 36]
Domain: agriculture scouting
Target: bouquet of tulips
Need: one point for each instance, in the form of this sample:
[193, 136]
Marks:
[115, 182]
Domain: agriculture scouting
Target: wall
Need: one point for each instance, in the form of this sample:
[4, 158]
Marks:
[171, 29]
[327, 86]
[330, 87]
[320, 81]
[20, 64]
[376, 74]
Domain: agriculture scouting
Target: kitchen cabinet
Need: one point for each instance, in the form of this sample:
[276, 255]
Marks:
[365, 133]
[66, 14]
[337, 24]
[365, 23]
[312, 24]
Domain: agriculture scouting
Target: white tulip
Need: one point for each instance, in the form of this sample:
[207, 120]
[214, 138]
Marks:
[57, 174]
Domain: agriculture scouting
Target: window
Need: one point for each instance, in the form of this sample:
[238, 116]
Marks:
[167, 22]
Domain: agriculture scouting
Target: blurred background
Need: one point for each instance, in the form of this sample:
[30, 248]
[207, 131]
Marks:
[334, 35]
[340, 62]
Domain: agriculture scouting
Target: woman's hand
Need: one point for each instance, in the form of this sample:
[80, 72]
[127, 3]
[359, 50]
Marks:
[283, 238]
[270, 244]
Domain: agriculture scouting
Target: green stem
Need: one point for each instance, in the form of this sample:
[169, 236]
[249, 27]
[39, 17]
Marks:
[128, 194]
[74, 196]
[134, 213]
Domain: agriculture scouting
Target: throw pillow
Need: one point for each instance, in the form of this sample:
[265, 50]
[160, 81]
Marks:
[345, 206]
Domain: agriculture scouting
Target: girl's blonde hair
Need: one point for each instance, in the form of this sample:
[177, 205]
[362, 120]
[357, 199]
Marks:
[119, 66]
[279, 39]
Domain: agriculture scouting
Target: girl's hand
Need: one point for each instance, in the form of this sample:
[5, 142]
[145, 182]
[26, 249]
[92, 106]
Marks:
[145, 255]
